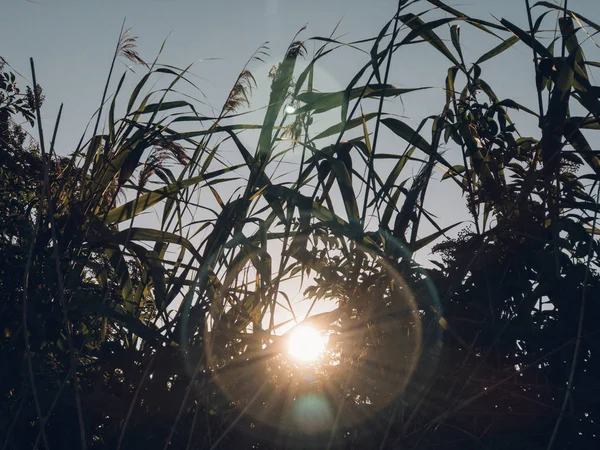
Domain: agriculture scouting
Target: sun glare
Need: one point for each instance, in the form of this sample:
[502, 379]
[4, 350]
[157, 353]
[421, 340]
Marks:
[306, 344]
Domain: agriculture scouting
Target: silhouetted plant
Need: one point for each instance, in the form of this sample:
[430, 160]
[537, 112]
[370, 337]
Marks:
[120, 334]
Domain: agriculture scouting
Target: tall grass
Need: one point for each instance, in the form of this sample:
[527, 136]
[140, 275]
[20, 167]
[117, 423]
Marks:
[186, 315]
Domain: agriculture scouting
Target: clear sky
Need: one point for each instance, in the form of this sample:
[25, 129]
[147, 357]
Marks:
[72, 42]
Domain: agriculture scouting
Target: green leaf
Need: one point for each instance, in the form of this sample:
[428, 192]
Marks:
[576, 138]
[148, 234]
[590, 123]
[153, 265]
[163, 106]
[337, 128]
[527, 39]
[97, 306]
[279, 91]
[413, 138]
[390, 206]
[458, 169]
[345, 184]
[432, 237]
[407, 133]
[140, 85]
[119, 264]
[395, 173]
[319, 102]
[425, 30]
[375, 60]
[481, 24]
[455, 36]
[498, 49]
[149, 199]
[508, 103]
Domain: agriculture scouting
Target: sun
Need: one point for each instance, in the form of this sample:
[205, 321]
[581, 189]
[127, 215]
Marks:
[306, 344]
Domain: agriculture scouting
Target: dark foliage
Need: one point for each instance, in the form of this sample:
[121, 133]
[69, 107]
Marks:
[112, 339]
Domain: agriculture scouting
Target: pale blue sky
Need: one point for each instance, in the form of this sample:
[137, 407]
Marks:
[72, 42]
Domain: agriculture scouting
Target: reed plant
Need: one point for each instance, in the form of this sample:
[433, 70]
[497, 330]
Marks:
[158, 260]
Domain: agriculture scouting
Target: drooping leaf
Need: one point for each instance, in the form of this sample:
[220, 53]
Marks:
[455, 36]
[425, 30]
[527, 39]
[456, 170]
[407, 133]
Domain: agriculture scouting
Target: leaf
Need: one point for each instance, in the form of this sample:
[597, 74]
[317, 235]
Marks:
[163, 106]
[390, 206]
[590, 123]
[571, 13]
[145, 201]
[129, 158]
[498, 49]
[345, 184]
[111, 112]
[481, 24]
[336, 129]
[279, 91]
[458, 169]
[455, 36]
[375, 51]
[148, 234]
[425, 30]
[395, 173]
[321, 321]
[526, 38]
[432, 237]
[407, 133]
[217, 197]
[319, 102]
[97, 306]
[368, 147]
[261, 177]
[117, 261]
[414, 138]
[450, 93]
[576, 138]
[514, 105]
[153, 265]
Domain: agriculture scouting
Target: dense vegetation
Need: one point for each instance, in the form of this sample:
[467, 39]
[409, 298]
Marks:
[121, 331]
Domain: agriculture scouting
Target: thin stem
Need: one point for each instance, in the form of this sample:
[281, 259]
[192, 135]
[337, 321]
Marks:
[571, 380]
[564, 43]
[112, 66]
[134, 399]
[538, 79]
[390, 52]
[28, 357]
[59, 275]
